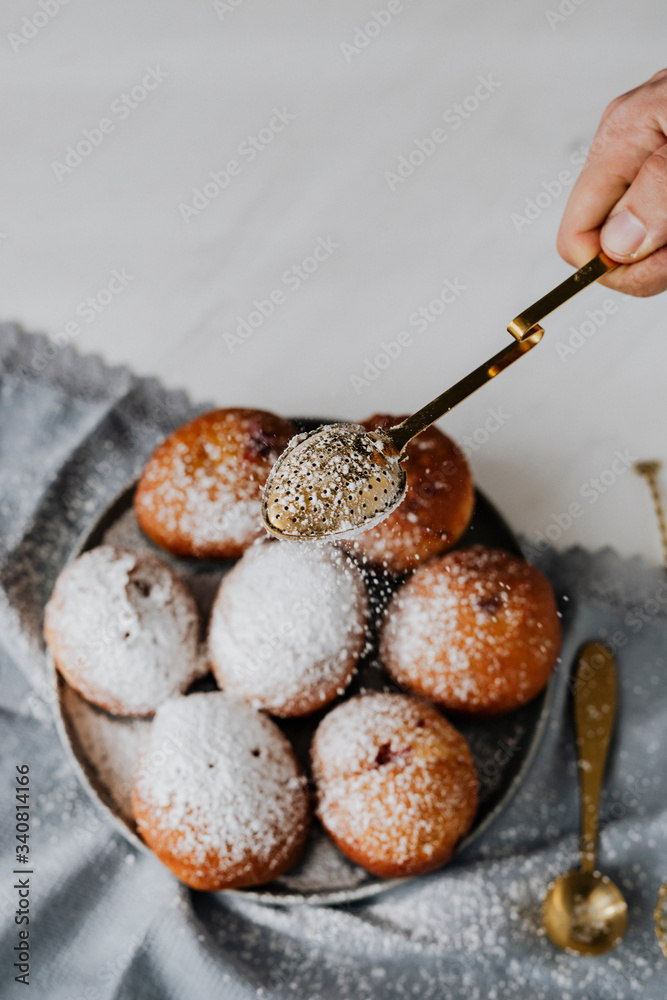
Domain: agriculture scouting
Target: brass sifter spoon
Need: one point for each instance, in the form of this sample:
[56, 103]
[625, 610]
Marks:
[340, 478]
[583, 910]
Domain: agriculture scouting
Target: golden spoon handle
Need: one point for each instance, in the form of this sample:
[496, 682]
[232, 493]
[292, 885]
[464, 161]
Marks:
[419, 421]
[523, 325]
[525, 328]
[594, 712]
[650, 470]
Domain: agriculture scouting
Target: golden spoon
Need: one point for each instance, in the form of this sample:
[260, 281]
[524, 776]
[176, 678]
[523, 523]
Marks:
[584, 911]
[341, 478]
[649, 470]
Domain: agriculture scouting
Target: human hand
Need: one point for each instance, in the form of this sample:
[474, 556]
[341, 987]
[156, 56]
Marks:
[619, 202]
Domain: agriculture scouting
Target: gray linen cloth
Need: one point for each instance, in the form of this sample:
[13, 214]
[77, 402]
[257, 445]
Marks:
[108, 922]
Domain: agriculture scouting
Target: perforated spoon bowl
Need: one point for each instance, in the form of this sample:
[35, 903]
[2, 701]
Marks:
[340, 478]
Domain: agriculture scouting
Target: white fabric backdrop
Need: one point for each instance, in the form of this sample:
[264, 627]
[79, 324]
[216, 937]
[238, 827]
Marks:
[335, 95]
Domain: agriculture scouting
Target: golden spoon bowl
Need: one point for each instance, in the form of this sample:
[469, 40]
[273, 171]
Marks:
[585, 912]
[329, 480]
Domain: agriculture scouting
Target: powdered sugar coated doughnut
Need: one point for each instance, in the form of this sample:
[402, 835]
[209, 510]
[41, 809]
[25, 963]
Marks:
[123, 629]
[288, 626]
[225, 804]
[396, 783]
[476, 631]
[200, 493]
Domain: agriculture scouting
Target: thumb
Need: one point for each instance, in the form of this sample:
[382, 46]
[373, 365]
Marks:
[637, 224]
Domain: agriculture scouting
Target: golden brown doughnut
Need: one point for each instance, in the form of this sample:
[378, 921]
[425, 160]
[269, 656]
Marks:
[476, 631]
[396, 784]
[200, 493]
[437, 507]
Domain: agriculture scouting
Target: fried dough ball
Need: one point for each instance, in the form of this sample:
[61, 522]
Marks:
[476, 631]
[396, 784]
[123, 630]
[200, 493]
[288, 626]
[219, 795]
[436, 509]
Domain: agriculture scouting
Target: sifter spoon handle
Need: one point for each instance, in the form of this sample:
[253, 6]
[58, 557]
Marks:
[419, 421]
[527, 333]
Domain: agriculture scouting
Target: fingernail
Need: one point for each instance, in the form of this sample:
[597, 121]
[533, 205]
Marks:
[624, 234]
